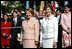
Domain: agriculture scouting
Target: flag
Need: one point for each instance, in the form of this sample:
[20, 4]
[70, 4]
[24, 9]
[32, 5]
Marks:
[54, 7]
[34, 5]
[42, 5]
[56, 4]
[27, 4]
[46, 2]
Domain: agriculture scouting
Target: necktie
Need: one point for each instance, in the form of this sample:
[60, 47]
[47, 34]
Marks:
[59, 19]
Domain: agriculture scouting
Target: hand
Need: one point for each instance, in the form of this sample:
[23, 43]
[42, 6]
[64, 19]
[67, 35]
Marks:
[19, 39]
[36, 42]
[41, 44]
[10, 36]
[21, 43]
[4, 34]
[7, 37]
[68, 31]
[54, 44]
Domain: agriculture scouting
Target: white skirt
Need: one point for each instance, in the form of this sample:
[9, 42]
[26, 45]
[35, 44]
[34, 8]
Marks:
[48, 43]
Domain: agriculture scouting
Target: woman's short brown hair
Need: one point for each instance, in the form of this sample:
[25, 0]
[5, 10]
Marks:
[30, 11]
[49, 7]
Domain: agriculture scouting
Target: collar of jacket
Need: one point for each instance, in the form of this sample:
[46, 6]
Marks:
[49, 17]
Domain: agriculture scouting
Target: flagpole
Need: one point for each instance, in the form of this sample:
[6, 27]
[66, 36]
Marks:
[34, 5]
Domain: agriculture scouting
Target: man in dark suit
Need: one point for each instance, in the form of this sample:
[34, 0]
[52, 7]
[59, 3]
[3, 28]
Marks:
[16, 22]
[59, 44]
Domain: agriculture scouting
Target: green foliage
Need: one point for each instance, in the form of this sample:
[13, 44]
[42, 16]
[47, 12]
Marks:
[22, 5]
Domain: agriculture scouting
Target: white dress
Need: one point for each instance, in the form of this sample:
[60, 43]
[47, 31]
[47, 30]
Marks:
[49, 31]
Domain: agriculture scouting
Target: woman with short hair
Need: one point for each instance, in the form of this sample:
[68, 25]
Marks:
[49, 30]
[5, 32]
[30, 35]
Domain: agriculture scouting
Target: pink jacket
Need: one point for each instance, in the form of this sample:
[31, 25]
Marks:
[31, 29]
[66, 21]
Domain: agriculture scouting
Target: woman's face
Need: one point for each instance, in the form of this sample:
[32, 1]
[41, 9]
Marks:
[67, 9]
[43, 15]
[5, 17]
[28, 14]
[48, 10]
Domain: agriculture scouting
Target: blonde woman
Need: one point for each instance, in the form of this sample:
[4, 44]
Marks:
[31, 31]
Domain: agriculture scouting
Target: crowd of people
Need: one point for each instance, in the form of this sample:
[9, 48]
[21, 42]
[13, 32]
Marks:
[33, 29]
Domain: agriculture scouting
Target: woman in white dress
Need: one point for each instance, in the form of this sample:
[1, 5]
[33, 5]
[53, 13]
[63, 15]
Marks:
[49, 30]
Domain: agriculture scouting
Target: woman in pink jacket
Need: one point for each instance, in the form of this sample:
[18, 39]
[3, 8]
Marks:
[66, 24]
[30, 35]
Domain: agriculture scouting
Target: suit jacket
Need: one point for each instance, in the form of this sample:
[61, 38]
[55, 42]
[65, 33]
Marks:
[15, 31]
[7, 31]
[59, 19]
[31, 29]
[66, 21]
[49, 28]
